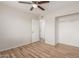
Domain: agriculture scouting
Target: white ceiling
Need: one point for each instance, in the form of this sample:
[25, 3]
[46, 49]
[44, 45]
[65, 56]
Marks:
[25, 7]
[49, 7]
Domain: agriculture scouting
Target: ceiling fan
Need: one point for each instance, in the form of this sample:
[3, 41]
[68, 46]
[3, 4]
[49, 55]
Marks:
[35, 4]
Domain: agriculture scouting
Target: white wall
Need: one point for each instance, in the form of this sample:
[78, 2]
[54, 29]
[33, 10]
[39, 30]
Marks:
[68, 30]
[57, 9]
[15, 27]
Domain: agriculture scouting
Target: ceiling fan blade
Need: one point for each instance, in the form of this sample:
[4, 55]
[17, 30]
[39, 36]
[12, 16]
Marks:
[41, 2]
[41, 8]
[25, 2]
[35, 2]
[31, 8]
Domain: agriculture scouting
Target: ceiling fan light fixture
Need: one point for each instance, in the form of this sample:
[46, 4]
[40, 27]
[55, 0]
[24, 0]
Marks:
[34, 5]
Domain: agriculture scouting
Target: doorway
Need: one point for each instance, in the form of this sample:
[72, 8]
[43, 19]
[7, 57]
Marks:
[42, 30]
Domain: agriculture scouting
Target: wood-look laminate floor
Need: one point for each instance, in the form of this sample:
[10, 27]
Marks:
[42, 50]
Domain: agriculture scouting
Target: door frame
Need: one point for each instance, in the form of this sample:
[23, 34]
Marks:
[56, 30]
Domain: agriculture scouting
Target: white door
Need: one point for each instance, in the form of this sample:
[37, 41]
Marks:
[35, 30]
